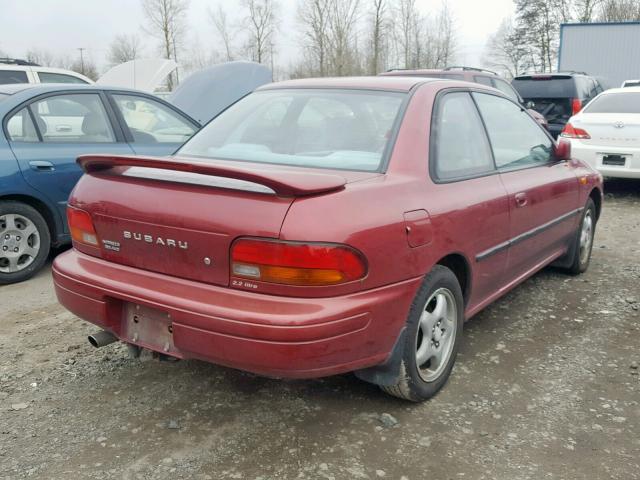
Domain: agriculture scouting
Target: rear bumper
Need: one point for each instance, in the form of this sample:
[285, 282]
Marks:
[592, 154]
[265, 334]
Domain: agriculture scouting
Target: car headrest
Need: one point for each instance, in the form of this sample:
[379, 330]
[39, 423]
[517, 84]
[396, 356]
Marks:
[93, 124]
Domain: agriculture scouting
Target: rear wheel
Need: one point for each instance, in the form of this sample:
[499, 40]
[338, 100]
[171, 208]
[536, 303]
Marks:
[583, 240]
[24, 241]
[434, 329]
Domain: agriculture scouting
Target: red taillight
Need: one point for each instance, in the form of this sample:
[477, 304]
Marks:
[576, 106]
[81, 227]
[295, 263]
[569, 131]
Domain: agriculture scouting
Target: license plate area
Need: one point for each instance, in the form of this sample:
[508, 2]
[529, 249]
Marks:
[149, 328]
[614, 160]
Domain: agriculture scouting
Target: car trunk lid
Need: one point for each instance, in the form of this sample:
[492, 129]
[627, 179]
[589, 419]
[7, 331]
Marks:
[180, 216]
[610, 129]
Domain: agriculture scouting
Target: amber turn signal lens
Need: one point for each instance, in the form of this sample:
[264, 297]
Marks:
[81, 227]
[296, 263]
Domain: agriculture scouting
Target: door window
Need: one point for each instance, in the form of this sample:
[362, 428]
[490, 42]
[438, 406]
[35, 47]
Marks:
[20, 127]
[48, 77]
[459, 144]
[13, 76]
[73, 118]
[517, 140]
[152, 122]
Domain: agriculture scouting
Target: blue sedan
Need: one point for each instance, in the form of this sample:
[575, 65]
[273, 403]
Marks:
[44, 129]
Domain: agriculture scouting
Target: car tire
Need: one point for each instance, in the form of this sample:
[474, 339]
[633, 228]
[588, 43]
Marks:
[433, 334]
[583, 241]
[25, 242]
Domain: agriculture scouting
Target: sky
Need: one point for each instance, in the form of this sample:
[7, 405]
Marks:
[63, 26]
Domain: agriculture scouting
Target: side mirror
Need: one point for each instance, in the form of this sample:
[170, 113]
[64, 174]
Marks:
[529, 105]
[562, 150]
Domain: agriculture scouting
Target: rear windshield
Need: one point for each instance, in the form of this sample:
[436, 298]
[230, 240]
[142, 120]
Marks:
[320, 128]
[545, 87]
[615, 103]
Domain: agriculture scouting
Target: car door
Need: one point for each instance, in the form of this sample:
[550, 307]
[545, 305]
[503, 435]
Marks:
[150, 126]
[68, 125]
[543, 193]
[469, 195]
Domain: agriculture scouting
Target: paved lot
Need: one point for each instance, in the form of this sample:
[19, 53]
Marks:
[546, 386]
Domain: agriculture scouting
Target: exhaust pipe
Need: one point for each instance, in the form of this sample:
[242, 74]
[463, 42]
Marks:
[102, 338]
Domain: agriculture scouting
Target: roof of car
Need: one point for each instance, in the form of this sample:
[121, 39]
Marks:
[37, 88]
[398, 83]
[11, 88]
[622, 90]
[528, 76]
[450, 71]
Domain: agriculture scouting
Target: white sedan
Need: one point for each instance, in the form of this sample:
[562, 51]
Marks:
[606, 133]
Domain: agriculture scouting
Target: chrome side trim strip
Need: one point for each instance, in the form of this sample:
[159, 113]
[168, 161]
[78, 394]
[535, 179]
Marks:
[526, 235]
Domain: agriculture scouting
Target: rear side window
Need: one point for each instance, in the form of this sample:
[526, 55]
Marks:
[483, 80]
[545, 87]
[626, 102]
[13, 76]
[517, 140]
[507, 89]
[459, 145]
[73, 118]
[20, 127]
[152, 122]
[47, 77]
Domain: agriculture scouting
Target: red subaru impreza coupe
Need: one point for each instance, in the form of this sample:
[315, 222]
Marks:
[324, 226]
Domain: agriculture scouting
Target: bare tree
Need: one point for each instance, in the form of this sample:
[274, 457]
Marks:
[444, 39]
[262, 24]
[505, 50]
[538, 24]
[379, 27]
[85, 66]
[166, 21]
[619, 11]
[313, 20]
[223, 29]
[41, 57]
[405, 25]
[585, 10]
[123, 48]
[342, 36]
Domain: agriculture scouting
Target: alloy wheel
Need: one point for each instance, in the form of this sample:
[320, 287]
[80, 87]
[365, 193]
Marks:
[19, 243]
[586, 237]
[436, 334]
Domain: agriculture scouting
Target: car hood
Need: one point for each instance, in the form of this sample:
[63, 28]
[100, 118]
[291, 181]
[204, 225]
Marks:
[206, 93]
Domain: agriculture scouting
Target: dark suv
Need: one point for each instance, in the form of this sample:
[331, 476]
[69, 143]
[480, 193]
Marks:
[471, 74]
[557, 96]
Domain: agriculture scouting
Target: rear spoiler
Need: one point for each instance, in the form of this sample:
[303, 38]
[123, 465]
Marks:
[284, 182]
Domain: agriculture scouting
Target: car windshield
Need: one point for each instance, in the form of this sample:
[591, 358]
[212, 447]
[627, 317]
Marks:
[320, 128]
[626, 102]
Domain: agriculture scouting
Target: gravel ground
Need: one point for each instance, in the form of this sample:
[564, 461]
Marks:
[546, 386]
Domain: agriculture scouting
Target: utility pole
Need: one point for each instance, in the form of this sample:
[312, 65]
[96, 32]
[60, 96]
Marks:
[175, 58]
[81, 59]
